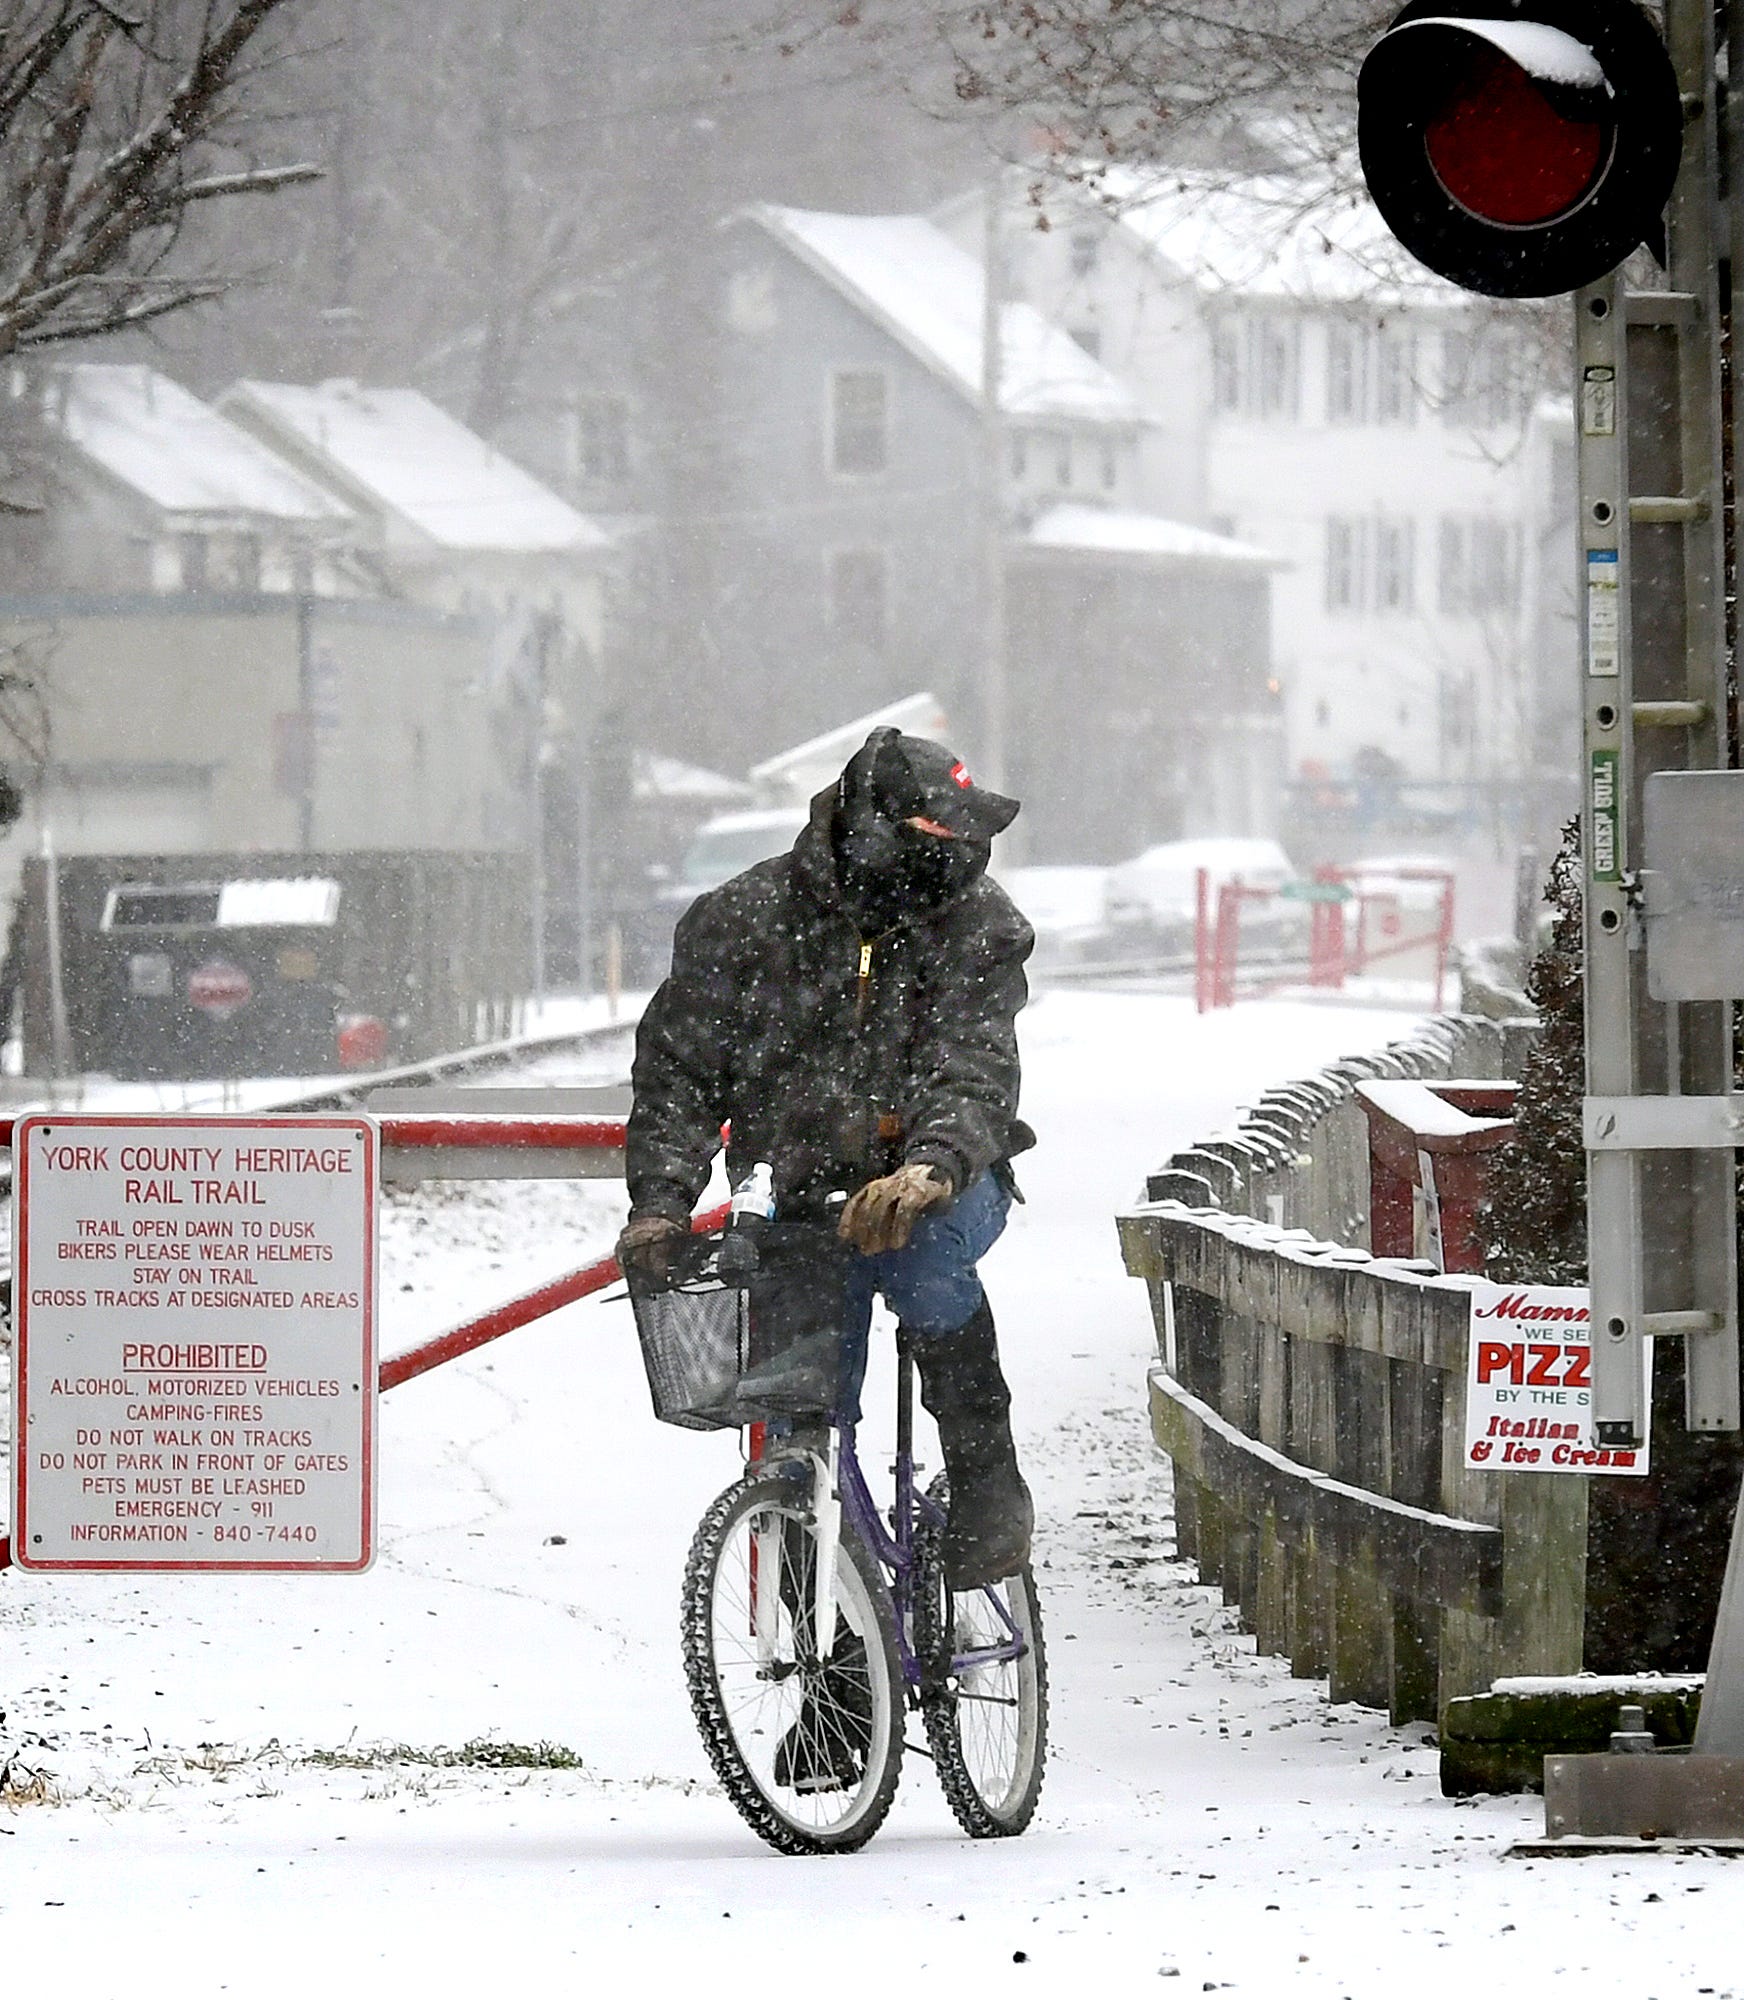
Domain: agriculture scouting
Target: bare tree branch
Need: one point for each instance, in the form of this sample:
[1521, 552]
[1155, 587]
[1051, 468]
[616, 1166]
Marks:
[113, 124]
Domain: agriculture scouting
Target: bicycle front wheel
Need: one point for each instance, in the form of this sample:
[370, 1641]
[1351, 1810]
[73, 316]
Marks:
[984, 1690]
[806, 1741]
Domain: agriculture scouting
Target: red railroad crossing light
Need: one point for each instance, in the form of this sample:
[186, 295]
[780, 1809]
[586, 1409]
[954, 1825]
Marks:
[1520, 150]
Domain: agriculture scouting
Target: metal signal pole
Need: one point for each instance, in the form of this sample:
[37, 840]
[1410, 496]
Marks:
[1654, 567]
[1663, 828]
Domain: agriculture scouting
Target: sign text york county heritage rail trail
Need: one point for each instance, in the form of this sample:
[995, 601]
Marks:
[196, 1373]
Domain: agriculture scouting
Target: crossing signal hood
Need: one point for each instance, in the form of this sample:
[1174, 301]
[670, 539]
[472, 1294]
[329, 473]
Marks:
[1521, 150]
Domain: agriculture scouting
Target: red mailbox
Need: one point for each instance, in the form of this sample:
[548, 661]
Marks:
[1429, 1148]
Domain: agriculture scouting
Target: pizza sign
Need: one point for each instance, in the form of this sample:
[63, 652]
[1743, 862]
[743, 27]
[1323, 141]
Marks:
[1529, 1384]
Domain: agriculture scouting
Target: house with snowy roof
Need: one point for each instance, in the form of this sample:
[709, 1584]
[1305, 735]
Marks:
[210, 631]
[453, 523]
[157, 491]
[855, 515]
[1312, 389]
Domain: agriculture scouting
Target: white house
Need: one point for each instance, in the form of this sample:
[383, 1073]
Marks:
[1313, 391]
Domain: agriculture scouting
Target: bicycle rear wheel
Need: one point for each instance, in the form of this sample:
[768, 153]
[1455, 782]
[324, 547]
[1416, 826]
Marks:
[808, 1749]
[986, 1717]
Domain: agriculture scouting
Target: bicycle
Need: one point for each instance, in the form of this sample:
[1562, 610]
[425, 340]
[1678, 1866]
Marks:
[812, 1625]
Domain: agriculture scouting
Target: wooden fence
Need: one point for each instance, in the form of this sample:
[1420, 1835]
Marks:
[1311, 1397]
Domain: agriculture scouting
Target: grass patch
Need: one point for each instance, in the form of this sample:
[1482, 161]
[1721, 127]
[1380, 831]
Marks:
[482, 1753]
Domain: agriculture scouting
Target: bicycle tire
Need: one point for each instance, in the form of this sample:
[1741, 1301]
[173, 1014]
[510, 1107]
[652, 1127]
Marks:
[993, 1782]
[747, 1710]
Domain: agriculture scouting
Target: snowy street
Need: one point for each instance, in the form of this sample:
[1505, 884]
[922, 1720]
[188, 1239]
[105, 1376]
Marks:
[240, 1789]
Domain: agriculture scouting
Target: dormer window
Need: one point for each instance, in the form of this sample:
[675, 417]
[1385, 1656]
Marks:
[859, 439]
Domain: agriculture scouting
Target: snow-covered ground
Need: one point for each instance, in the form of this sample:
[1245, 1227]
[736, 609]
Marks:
[237, 1790]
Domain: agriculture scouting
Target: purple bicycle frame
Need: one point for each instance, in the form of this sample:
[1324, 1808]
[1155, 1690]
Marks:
[893, 1547]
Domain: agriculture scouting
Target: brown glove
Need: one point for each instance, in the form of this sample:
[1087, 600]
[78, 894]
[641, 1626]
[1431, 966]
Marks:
[648, 1243]
[883, 1214]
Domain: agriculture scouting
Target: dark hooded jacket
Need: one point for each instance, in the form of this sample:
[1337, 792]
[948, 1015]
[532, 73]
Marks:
[834, 1056]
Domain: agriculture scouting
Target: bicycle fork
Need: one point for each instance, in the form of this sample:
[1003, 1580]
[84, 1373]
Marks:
[766, 1559]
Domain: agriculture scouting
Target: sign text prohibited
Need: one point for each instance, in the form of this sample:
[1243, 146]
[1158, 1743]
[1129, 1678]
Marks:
[195, 1375]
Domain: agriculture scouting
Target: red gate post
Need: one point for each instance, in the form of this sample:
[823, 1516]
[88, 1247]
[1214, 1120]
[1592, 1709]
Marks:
[1443, 939]
[1228, 944]
[1202, 998]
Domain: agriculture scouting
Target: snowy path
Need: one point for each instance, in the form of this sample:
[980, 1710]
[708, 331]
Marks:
[1205, 1817]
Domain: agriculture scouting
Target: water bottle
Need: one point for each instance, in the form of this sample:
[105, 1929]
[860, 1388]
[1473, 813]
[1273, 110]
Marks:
[750, 1213]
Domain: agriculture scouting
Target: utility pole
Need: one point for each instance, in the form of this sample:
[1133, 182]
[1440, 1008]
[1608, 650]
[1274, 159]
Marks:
[994, 666]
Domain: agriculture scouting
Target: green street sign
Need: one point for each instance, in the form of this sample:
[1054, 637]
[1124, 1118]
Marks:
[1316, 892]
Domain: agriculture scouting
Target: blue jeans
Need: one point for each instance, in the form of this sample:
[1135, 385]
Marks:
[931, 1284]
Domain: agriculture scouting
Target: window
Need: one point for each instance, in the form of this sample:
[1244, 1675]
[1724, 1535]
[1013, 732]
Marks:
[1046, 456]
[1085, 245]
[1483, 378]
[1226, 367]
[1394, 552]
[1344, 565]
[602, 440]
[859, 597]
[859, 421]
[245, 562]
[1370, 564]
[1345, 355]
[1479, 566]
[1256, 365]
[1395, 377]
[1110, 468]
[1278, 345]
[196, 553]
[1370, 374]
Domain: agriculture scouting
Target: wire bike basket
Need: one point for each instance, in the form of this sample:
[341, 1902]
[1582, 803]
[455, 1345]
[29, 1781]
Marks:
[722, 1350]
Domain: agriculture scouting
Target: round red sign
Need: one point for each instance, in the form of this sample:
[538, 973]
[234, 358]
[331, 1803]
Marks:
[219, 988]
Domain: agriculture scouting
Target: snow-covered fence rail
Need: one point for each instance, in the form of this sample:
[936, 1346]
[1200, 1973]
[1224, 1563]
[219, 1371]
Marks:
[1311, 1397]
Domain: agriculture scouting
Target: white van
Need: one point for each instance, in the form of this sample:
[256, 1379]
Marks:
[1152, 896]
[730, 843]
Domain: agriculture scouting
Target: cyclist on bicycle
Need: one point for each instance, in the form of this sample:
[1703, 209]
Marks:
[850, 1007]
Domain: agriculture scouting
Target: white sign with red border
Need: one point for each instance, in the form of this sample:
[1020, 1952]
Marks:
[1529, 1391]
[194, 1378]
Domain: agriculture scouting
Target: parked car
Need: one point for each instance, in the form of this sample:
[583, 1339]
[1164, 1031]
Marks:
[1066, 906]
[730, 843]
[1150, 901]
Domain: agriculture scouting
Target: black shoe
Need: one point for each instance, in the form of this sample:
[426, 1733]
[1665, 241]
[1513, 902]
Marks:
[825, 1748]
[987, 1534]
[991, 1519]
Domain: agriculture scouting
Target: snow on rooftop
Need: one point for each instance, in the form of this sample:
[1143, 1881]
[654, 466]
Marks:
[658, 777]
[926, 291]
[915, 715]
[1115, 531]
[177, 452]
[1279, 236]
[421, 464]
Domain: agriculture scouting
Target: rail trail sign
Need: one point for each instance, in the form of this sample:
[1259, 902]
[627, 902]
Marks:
[195, 1355]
